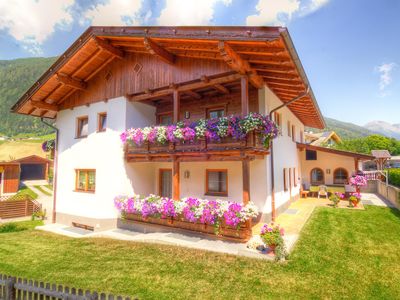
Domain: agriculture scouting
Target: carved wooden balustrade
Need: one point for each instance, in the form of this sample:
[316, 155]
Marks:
[200, 149]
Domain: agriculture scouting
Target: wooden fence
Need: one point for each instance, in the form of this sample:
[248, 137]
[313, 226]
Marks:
[12, 288]
[18, 208]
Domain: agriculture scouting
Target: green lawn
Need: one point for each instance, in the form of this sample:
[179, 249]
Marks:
[43, 190]
[24, 191]
[341, 254]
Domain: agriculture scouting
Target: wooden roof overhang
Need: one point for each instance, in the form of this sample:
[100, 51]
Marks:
[265, 54]
[355, 155]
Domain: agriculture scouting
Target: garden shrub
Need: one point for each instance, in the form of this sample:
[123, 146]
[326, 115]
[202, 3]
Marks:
[394, 177]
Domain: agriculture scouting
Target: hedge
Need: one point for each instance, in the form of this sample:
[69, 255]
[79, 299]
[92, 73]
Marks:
[394, 177]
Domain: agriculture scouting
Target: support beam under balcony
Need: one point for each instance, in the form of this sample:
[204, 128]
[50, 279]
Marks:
[244, 87]
[176, 104]
[176, 179]
[246, 180]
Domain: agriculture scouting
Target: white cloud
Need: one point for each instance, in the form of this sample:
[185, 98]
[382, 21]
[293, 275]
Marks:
[115, 13]
[33, 21]
[280, 12]
[272, 12]
[189, 12]
[385, 78]
[313, 6]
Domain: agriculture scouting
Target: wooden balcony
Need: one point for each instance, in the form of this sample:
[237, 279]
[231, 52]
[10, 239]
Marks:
[227, 149]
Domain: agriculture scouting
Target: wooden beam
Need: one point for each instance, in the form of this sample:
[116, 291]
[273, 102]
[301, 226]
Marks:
[246, 180]
[244, 90]
[176, 104]
[63, 98]
[238, 64]
[87, 62]
[158, 51]
[185, 87]
[194, 94]
[221, 88]
[176, 180]
[105, 46]
[44, 105]
[71, 82]
[98, 69]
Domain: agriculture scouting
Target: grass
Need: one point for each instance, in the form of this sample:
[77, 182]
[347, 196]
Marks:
[340, 254]
[24, 191]
[42, 190]
[19, 226]
[10, 150]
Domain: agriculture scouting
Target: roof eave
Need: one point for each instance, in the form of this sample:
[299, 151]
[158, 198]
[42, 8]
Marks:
[291, 48]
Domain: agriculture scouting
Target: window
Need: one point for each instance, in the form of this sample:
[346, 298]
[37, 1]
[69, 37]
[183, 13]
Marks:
[217, 182]
[317, 176]
[293, 133]
[278, 119]
[340, 176]
[285, 185]
[301, 137]
[165, 119]
[290, 178]
[289, 129]
[101, 122]
[85, 180]
[311, 155]
[294, 177]
[165, 183]
[213, 113]
[82, 127]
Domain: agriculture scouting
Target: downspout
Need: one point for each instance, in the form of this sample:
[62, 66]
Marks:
[272, 150]
[53, 218]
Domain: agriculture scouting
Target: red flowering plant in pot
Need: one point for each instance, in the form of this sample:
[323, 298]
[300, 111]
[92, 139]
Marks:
[354, 199]
[272, 236]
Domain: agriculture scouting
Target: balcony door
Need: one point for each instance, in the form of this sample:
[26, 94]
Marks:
[165, 183]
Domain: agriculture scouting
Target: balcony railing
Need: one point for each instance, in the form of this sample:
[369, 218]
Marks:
[226, 138]
[229, 147]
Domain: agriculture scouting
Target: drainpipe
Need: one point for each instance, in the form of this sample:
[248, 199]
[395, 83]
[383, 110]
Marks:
[53, 218]
[272, 150]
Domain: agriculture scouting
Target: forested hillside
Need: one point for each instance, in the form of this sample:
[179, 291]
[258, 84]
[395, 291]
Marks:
[16, 76]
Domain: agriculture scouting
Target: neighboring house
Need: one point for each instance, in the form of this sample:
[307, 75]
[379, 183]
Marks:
[9, 178]
[324, 139]
[394, 162]
[325, 166]
[381, 158]
[115, 78]
[34, 167]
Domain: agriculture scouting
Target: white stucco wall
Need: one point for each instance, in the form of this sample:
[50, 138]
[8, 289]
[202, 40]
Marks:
[103, 152]
[325, 161]
[285, 153]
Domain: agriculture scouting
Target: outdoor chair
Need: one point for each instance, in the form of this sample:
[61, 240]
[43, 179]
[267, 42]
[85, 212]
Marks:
[304, 191]
[322, 191]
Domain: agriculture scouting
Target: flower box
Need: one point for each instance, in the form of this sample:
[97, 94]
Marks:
[243, 234]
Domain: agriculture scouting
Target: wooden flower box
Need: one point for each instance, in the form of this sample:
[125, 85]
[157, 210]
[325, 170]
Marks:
[243, 234]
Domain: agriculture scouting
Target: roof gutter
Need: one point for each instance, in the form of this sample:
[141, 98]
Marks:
[292, 50]
[273, 208]
[53, 217]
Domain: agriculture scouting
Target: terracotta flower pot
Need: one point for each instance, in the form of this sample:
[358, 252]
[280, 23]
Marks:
[355, 203]
[271, 251]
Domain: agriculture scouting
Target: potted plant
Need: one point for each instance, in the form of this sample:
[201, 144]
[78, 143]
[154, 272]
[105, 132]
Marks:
[358, 181]
[272, 236]
[334, 198]
[354, 199]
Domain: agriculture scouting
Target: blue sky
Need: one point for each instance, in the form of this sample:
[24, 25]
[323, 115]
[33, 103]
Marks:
[350, 49]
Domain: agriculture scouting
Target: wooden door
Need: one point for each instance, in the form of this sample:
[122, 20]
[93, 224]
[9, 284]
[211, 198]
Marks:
[165, 183]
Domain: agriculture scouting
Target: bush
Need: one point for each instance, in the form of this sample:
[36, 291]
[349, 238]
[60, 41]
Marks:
[394, 177]
[19, 226]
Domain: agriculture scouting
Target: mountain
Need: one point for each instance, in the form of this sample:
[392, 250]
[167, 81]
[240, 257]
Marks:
[16, 76]
[384, 128]
[344, 129]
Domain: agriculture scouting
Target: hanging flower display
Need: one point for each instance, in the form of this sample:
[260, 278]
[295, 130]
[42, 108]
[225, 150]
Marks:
[236, 127]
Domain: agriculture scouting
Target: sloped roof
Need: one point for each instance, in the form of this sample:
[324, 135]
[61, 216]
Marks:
[319, 138]
[266, 54]
[381, 153]
[335, 151]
